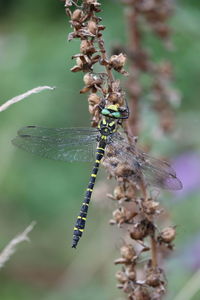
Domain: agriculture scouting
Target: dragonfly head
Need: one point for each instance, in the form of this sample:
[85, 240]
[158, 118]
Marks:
[115, 111]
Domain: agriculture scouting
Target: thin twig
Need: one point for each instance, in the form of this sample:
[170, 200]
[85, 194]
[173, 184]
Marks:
[23, 96]
[154, 252]
[10, 249]
[104, 57]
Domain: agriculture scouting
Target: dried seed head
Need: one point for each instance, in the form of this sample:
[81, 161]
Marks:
[127, 288]
[85, 44]
[118, 61]
[131, 275]
[150, 206]
[153, 278]
[87, 47]
[76, 15]
[123, 170]
[130, 192]
[92, 27]
[127, 252]
[122, 215]
[130, 272]
[139, 231]
[117, 215]
[141, 293]
[94, 99]
[94, 2]
[76, 69]
[121, 277]
[119, 192]
[88, 79]
[115, 94]
[92, 110]
[168, 234]
[79, 62]
[116, 97]
[120, 261]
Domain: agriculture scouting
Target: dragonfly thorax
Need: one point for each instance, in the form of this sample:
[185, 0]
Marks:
[107, 127]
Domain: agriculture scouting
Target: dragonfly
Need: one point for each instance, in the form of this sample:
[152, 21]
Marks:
[92, 144]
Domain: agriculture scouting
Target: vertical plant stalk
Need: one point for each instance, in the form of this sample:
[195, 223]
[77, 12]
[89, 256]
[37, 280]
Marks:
[139, 278]
[102, 86]
[144, 280]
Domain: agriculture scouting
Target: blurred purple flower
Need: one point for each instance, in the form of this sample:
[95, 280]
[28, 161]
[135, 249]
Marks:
[187, 168]
[191, 255]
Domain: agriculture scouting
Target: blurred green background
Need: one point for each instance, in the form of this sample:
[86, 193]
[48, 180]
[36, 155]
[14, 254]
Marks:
[34, 51]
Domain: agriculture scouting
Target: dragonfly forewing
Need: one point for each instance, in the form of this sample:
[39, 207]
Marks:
[66, 144]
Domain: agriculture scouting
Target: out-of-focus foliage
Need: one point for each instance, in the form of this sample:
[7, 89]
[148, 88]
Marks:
[34, 51]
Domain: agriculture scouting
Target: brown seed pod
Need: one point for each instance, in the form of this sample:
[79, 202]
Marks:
[88, 79]
[85, 44]
[153, 279]
[123, 170]
[122, 215]
[77, 15]
[130, 192]
[154, 275]
[92, 2]
[138, 231]
[119, 192]
[141, 293]
[128, 252]
[116, 98]
[127, 288]
[119, 261]
[118, 61]
[168, 234]
[92, 27]
[121, 277]
[150, 206]
[87, 47]
[118, 215]
[131, 272]
[79, 62]
[94, 99]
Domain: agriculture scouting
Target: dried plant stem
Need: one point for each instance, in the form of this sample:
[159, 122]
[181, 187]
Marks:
[154, 252]
[105, 58]
[20, 97]
[10, 249]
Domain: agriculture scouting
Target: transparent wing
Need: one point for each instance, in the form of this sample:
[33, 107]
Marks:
[159, 173]
[155, 172]
[66, 144]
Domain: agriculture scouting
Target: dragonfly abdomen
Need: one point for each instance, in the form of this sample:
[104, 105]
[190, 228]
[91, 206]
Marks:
[81, 219]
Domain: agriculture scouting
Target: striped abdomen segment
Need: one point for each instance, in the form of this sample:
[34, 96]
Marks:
[81, 219]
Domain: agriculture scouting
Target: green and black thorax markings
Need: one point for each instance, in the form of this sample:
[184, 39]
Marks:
[106, 128]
